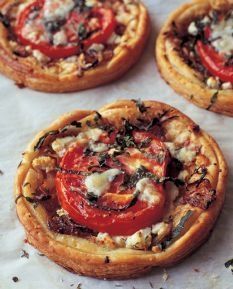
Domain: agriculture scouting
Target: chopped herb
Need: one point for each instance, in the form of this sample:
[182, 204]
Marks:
[24, 254]
[118, 285]
[213, 100]
[26, 184]
[102, 159]
[81, 5]
[106, 260]
[176, 231]
[40, 254]
[15, 279]
[20, 164]
[97, 117]
[76, 123]
[79, 286]
[91, 197]
[43, 138]
[82, 32]
[1, 173]
[88, 152]
[140, 173]
[229, 264]
[17, 198]
[145, 143]
[5, 21]
[151, 285]
[140, 105]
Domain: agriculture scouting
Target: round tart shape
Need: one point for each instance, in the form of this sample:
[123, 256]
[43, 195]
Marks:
[70, 45]
[194, 53]
[113, 193]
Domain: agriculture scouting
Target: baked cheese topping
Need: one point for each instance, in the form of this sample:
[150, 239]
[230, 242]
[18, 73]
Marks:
[120, 173]
[147, 192]
[222, 36]
[57, 9]
[98, 183]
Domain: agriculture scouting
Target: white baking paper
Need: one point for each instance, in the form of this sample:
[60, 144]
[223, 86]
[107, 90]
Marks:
[24, 112]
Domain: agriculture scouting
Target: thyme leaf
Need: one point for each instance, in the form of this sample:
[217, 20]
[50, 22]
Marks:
[229, 264]
[176, 231]
[140, 105]
[213, 100]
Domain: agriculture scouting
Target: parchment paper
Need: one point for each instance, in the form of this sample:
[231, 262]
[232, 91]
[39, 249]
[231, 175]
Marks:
[24, 112]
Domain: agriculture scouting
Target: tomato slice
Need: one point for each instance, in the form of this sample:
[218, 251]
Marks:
[116, 211]
[106, 26]
[213, 61]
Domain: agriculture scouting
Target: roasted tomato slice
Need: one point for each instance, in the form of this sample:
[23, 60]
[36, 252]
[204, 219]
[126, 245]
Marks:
[213, 61]
[96, 27]
[119, 209]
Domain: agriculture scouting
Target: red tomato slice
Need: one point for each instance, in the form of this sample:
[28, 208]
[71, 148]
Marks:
[213, 61]
[72, 193]
[105, 18]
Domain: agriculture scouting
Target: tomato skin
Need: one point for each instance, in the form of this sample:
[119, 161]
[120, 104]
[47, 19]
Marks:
[108, 24]
[114, 222]
[212, 60]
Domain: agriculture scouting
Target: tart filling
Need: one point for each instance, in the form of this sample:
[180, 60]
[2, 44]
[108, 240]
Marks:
[69, 36]
[206, 45]
[138, 183]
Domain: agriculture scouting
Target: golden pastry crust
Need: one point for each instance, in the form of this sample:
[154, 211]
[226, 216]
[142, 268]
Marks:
[63, 75]
[83, 256]
[177, 73]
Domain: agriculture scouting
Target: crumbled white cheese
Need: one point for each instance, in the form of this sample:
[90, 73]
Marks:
[182, 137]
[40, 56]
[61, 144]
[114, 39]
[98, 147]
[44, 163]
[139, 240]
[185, 155]
[158, 228]
[221, 36]
[227, 85]
[192, 29]
[212, 82]
[147, 191]
[61, 212]
[183, 175]
[90, 3]
[57, 9]
[96, 47]
[60, 38]
[98, 183]
[205, 20]
[91, 134]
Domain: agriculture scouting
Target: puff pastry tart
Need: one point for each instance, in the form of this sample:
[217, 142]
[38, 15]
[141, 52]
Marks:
[70, 45]
[194, 53]
[112, 193]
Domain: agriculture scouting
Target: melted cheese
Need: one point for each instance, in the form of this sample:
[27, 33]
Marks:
[139, 240]
[60, 145]
[147, 191]
[98, 183]
[98, 147]
[185, 155]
